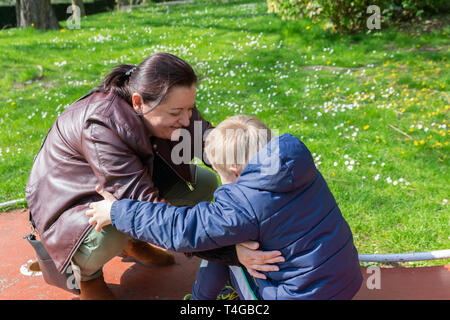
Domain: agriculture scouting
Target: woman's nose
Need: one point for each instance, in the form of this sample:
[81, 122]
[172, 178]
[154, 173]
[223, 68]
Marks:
[184, 119]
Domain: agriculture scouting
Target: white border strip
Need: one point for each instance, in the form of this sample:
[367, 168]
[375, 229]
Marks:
[242, 283]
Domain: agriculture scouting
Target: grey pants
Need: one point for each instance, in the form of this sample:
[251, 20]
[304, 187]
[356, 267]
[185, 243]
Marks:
[98, 248]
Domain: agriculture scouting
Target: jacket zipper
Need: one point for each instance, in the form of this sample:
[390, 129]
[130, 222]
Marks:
[190, 186]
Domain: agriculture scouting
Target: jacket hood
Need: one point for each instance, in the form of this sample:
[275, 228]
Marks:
[284, 165]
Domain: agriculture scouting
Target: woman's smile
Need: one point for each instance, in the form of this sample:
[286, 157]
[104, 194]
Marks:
[173, 114]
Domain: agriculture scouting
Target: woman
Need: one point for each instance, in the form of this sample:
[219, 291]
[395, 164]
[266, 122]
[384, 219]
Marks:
[119, 136]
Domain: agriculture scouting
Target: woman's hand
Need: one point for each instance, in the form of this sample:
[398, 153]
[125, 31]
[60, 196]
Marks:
[101, 211]
[255, 260]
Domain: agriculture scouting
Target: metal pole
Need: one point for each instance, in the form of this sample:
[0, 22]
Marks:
[11, 203]
[400, 257]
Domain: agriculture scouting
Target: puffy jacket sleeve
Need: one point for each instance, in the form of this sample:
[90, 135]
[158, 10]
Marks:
[203, 227]
[117, 168]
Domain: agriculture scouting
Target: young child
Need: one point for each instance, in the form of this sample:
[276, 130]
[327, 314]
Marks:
[271, 193]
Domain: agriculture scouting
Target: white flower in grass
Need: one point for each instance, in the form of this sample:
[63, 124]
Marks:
[60, 64]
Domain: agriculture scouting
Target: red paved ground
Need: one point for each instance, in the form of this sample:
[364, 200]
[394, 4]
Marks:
[129, 280]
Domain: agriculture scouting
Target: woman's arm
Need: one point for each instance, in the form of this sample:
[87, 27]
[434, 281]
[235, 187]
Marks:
[116, 166]
[247, 255]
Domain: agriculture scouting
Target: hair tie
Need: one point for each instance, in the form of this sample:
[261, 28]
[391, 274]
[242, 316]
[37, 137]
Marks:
[129, 72]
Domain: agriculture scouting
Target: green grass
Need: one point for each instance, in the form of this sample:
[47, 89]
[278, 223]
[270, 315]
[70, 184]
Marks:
[378, 101]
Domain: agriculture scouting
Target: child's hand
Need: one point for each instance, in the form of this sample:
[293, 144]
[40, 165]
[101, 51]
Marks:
[255, 260]
[101, 211]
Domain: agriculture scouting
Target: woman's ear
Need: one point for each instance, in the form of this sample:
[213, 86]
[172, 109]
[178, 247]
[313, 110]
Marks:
[137, 101]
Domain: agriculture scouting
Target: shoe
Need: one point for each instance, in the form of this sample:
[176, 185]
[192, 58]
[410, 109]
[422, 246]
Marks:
[95, 289]
[228, 293]
[188, 296]
[147, 254]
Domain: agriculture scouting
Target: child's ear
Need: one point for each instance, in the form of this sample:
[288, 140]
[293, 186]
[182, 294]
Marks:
[235, 171]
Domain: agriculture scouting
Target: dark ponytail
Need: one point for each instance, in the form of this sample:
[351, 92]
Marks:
[152, 78]
[116, 81]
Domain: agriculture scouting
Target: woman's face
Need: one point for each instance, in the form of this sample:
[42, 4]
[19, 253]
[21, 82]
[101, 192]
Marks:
[173, 113]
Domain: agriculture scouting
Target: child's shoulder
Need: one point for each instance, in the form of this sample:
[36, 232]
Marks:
[238, 193]
[229, 190]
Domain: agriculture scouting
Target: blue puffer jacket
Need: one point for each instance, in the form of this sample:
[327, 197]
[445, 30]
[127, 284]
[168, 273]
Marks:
[292, 211]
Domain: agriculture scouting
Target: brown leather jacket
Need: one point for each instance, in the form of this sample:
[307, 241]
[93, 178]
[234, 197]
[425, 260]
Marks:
[98, 140]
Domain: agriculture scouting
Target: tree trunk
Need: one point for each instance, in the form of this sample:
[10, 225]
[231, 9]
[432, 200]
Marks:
[121, 4]
[80, 5]
[36, 13]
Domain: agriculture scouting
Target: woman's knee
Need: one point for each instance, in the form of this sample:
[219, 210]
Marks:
[97, 249]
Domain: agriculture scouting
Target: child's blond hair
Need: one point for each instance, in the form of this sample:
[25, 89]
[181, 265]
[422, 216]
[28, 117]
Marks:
[235, 141]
